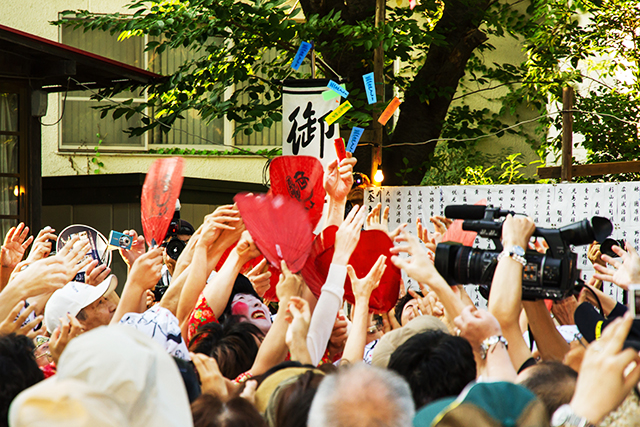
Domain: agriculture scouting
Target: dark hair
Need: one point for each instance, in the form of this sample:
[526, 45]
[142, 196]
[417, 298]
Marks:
[294, 402]
[233, 344]
[553, 382]
[435, 365]
[185, 228]
[401, 303]
[18, 370]
[242, 285]
[209, 411]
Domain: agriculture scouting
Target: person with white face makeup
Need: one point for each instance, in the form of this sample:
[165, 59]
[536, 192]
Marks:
[244, 301]
[253, 310]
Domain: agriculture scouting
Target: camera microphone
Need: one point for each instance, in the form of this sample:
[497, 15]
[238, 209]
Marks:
[473, 211]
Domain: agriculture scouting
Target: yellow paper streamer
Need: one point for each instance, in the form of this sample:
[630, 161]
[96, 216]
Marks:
[338, 112]
[388, 112]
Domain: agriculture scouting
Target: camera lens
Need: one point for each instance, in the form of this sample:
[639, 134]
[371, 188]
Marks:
[175, 248]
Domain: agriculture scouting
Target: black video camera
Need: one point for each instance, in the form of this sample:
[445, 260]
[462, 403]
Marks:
[552, 275]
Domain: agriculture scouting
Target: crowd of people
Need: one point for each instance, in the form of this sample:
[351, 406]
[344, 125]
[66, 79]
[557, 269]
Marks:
[190, 341]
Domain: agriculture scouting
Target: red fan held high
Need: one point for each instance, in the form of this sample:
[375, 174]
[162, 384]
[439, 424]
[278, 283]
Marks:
[300, 178]
[159, 194]
[280, 227]
[372, 244]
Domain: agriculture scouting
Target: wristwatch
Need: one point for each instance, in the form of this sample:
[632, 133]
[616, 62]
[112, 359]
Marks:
[488, 342]
[515, 252]
[565, 417]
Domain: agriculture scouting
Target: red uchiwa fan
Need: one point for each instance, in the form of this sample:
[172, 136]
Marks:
[159, 194]
[280, 227]
[299, 177]
[371, 245]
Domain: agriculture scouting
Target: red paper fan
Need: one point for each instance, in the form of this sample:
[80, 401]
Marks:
[159, 194]
[280, 227]
[299, 177]
[372, 244]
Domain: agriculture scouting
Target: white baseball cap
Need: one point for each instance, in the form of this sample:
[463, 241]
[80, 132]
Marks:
[72, 298]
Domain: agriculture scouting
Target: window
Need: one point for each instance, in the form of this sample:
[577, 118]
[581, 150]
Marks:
[13, 156]
[81, 126]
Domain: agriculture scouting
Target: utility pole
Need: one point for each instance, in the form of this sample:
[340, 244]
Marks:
[567, 134]
[378, 75]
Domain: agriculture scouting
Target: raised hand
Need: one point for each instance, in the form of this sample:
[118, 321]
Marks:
[14, 323]
[246, 248]
[338, 179]
[298, 315]
[229, 236]
[517, 230]
[623, 273]
[348, 236]
[146, 270]
[339, 334]
[376, 222]
[42, 245]
[62, 335]
[441, 224]
[14, 246]
[290, 284]
[223, 218]
[211, 379]
[362, 288]
[594, 255]
[129, 256]
[260, 278]
[96, 274]
[51, 273]
[418, 265]
[608, 373]
[477, 325]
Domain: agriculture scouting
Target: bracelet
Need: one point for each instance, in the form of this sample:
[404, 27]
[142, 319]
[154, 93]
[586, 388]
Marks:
[491, 341]
[514, 252]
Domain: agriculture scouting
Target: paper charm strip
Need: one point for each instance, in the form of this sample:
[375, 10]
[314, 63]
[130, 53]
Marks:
[370, 88]
[388, 112]
[304, 48]
[338, 112]
[354, 138]
[339, 89]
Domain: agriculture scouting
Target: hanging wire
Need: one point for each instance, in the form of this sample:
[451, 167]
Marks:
[64, 104]
[265, 179]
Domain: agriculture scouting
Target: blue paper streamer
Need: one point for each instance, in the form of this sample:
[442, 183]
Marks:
[304, 48]
[356, 134]
[337, 89]
[370, 88]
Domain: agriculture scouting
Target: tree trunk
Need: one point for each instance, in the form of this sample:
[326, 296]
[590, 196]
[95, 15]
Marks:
[429, 96]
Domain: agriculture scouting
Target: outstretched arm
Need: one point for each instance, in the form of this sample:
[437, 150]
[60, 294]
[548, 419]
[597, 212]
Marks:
[144, 274]
[362, 289]
[420, 267]
[505, 296]
[338, 179]
[12, 251]
[273, 349]
[324, 314]
[623, 273]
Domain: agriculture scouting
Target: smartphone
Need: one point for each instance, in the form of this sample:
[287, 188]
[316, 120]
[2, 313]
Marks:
[634, 301]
